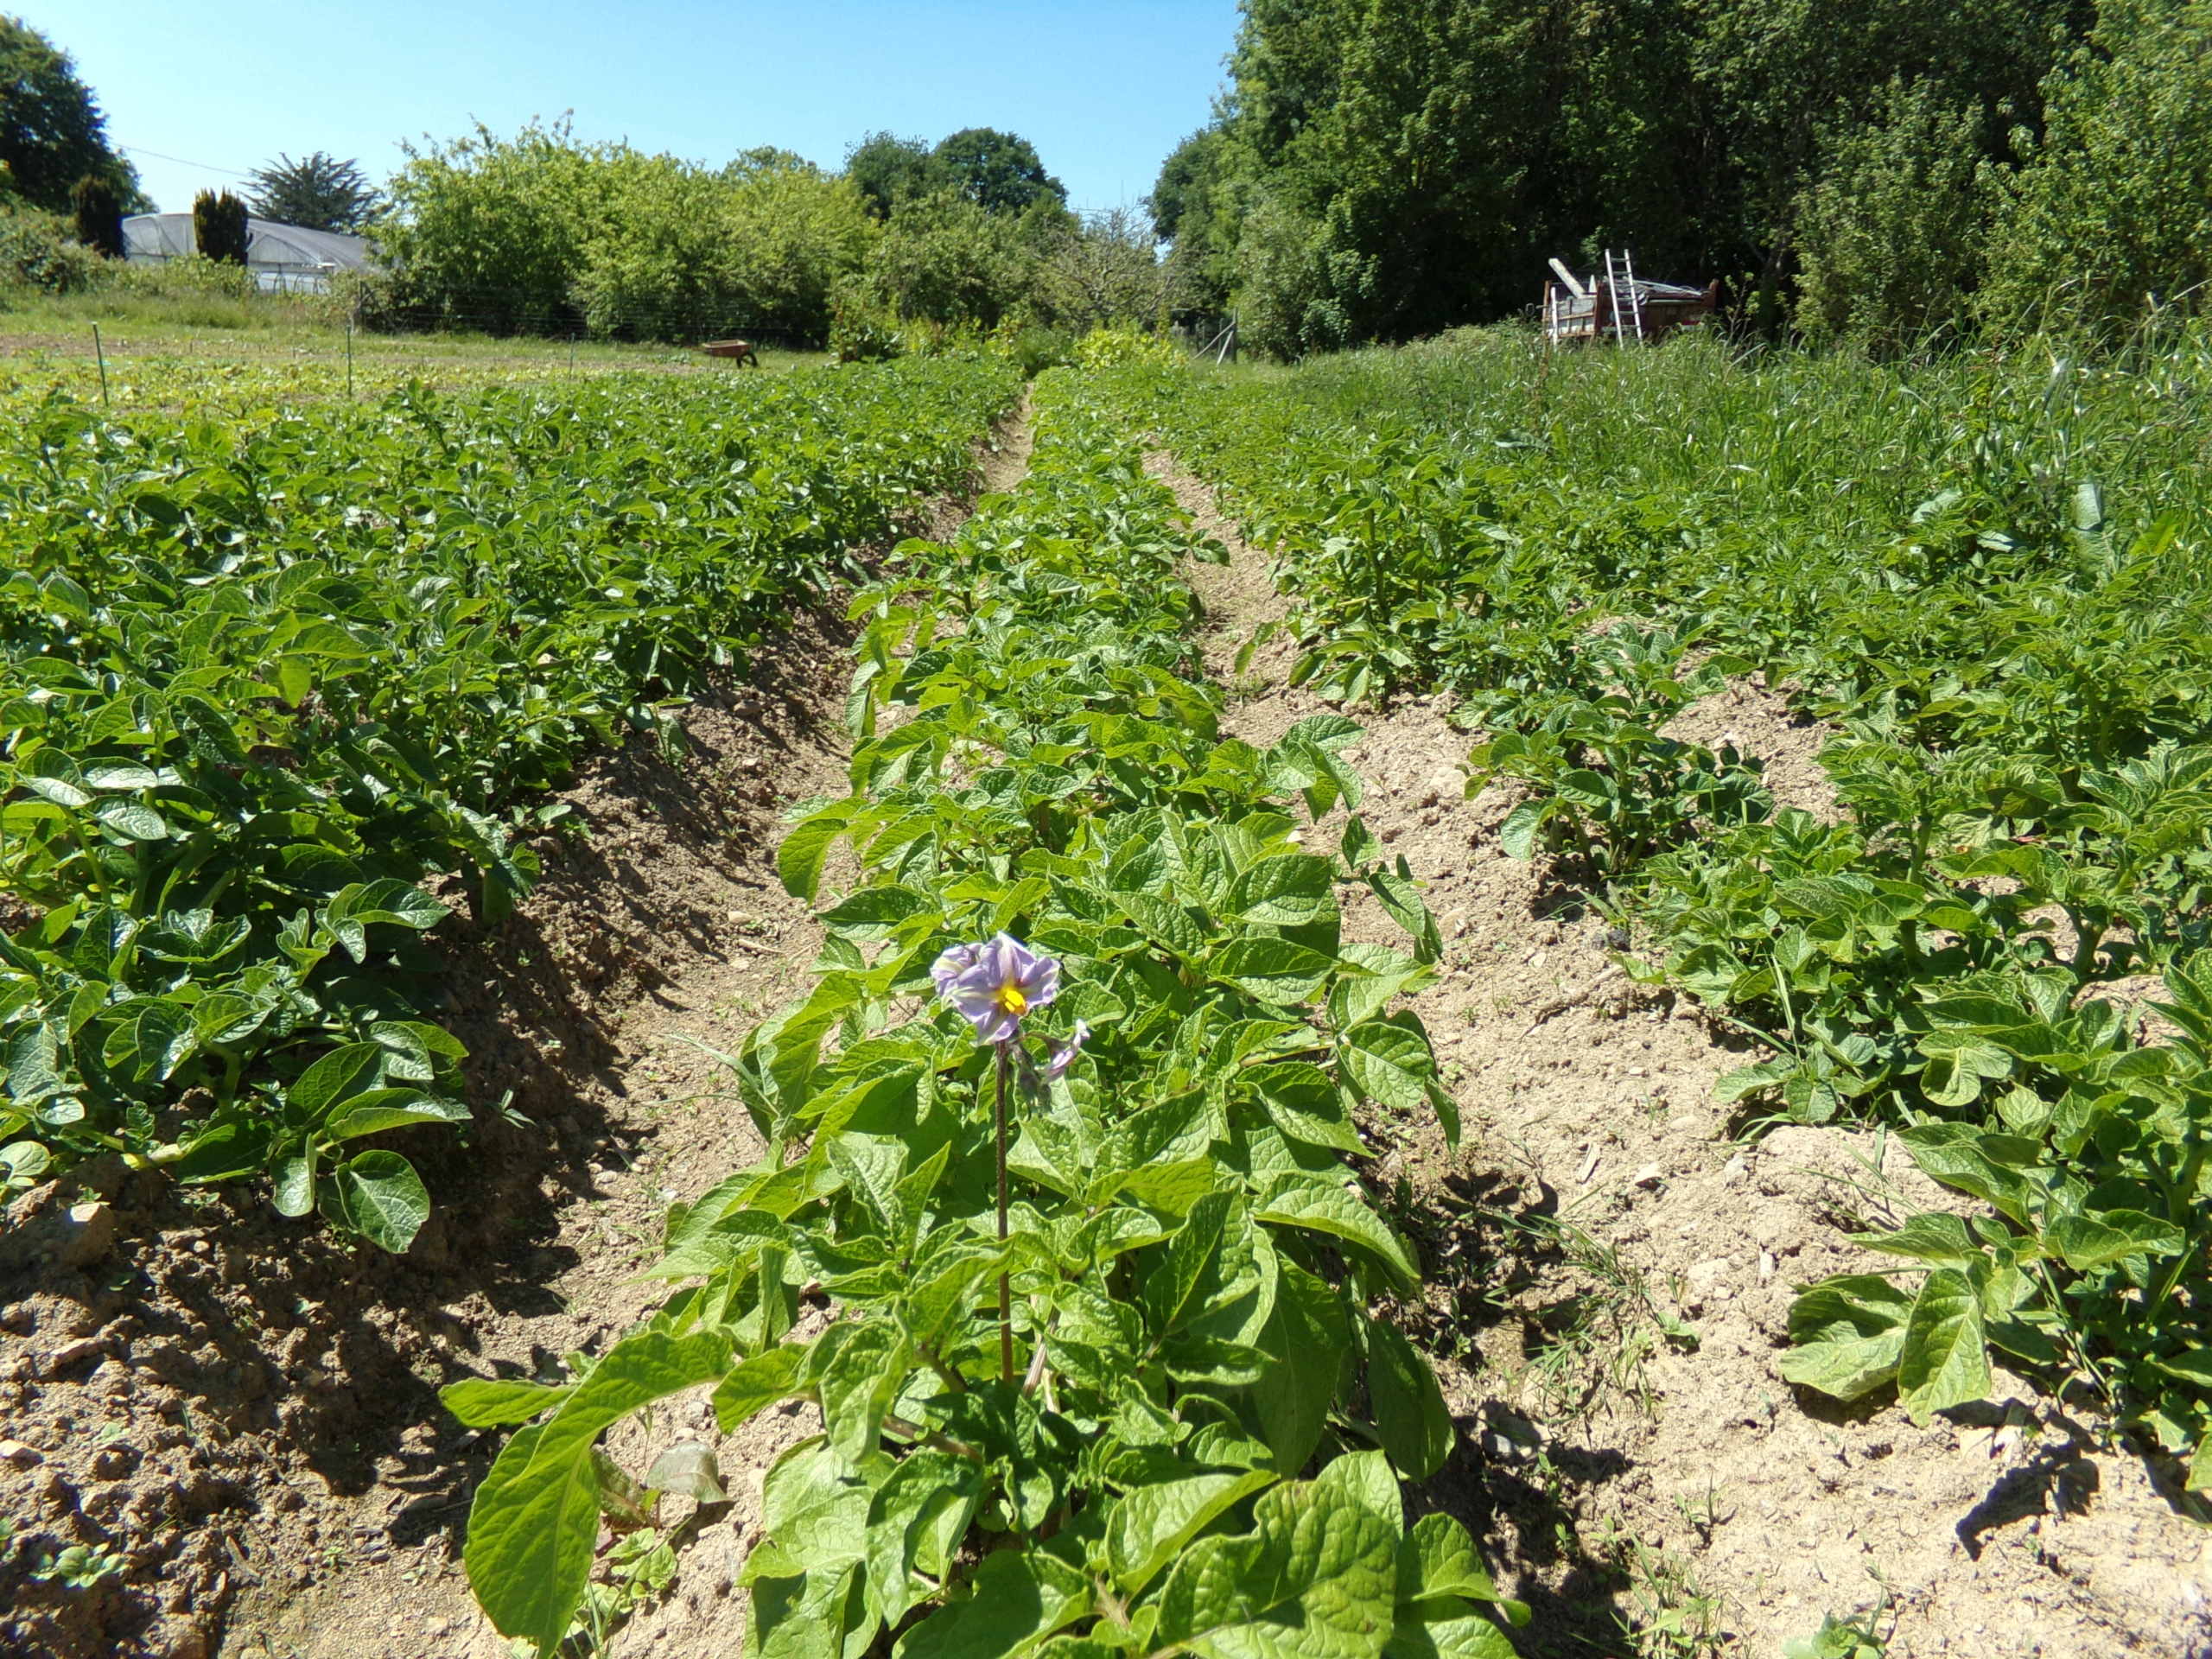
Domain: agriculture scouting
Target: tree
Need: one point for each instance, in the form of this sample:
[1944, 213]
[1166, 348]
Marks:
[218, 227]
[52, 132]
[997, 171]
[2112, 212]
[1893, 229]
[318, 192]
[946, 259]
[887, 169]
[1103, 272]
[98, 213]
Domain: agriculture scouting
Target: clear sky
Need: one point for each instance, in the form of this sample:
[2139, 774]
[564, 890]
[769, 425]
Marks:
[1103, 91]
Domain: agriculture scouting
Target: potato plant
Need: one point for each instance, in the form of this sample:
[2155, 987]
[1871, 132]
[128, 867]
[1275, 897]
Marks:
[1987, 586]
[1119, 1378]
[259, 680]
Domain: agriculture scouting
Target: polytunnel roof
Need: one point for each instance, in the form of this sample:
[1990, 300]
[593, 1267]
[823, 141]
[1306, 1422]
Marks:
[268, 244]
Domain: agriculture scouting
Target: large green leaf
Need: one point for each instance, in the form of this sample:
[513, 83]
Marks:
[1325, 1206]
[1849, 1332]
[1148, 1526]
[1410, 1416]
[1945, 1361]
[1284, 892]
[377, 1194]
[1315, 1578]
[531, 1529]
[1021, 1597]
[1273, 970]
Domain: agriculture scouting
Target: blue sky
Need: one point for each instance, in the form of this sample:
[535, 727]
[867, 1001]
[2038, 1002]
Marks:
[1103, 91]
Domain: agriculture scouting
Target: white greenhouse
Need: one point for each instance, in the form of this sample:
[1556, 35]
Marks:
[279, 256]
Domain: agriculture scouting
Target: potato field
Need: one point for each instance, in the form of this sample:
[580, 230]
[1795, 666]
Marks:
[1457, 1002]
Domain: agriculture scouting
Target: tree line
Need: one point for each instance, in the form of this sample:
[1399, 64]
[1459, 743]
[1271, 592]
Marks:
[1883, 172]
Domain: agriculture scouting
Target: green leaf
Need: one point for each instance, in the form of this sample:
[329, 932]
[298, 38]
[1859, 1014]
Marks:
[1849, 1332]
[131, 820]
[1461, 1637]
[380, 1110]
[152, 1039]
[1316, 1579]
[338, 1076]
[494, 1401]
[1325, 1207]
[915, 1523]
[1273, 970]
[1304, 1104]
[777, 1374]
[1411, 1419]
[1389, 1062]
[1284, 892]
[2200, 1466]
[1935, 1237]
[1305, 1338]
[1148, 1526]
[378, 1195]
[1945, 1361]
[800, 858]
[532, 1527]
[1437, 1559]
[2086, 1242]
[1365, 1477]
[1020, 1597]
[1517, 835]
[1166, 1293]
[857, 1387]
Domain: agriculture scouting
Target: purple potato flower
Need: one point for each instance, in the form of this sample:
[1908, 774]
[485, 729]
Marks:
[1063, 1054]
[995, 984]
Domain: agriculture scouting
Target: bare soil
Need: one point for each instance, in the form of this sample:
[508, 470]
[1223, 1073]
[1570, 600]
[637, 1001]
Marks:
[1611, 1274]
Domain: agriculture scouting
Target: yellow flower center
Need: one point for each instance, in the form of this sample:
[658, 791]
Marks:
[1012, 1000]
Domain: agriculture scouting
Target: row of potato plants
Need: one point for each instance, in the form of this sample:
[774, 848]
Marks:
[260, 679]
[1118, 1378]
[2025, 736]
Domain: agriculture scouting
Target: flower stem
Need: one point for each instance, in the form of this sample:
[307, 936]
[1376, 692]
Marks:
[1005, 1289]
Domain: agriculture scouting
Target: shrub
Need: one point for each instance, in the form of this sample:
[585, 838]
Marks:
[1110, 347]
[38, 252]
[2114, 210]
[1893, 231]
[99, 215]
[218, 227]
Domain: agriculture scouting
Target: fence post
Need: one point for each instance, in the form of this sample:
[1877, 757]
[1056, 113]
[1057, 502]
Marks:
[99, 356]
[349, 360]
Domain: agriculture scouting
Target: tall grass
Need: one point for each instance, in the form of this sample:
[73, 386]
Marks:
[1831, 440]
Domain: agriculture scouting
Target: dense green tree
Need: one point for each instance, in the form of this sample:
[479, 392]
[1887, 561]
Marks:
[946, 259]
[2112, 212]
[97, 214]
[1382, 169]
[1892, 231]
[317, 193]
[218, 227]
[539, 231]
[998, 171]
[887, 169]
[1195, 206]
[52, 132]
